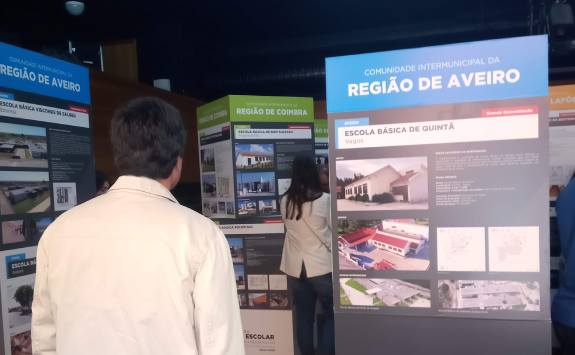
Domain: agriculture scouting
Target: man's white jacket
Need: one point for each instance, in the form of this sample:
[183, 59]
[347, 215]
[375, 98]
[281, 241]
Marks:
[133, 272]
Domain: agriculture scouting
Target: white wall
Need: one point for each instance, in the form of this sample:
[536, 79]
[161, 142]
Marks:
[417, 187]
[380, 182]
[242, 160]
[377, 183]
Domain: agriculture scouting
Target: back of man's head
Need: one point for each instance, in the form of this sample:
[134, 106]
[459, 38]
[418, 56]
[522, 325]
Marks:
[148, 136]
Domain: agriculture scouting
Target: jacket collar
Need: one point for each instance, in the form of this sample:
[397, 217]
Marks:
[142, 185]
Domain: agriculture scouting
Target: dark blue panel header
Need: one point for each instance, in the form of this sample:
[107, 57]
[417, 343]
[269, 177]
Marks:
[32, 72]
[474, 71]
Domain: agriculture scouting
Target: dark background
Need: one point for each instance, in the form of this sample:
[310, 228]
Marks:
[269, 47]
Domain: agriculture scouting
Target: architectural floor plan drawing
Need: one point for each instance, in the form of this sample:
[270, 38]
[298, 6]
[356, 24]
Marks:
[461, 249]
[514, 249]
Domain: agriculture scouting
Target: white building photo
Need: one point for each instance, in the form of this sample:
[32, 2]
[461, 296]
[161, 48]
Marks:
[254, 160]
[376, 183]
[398, 183]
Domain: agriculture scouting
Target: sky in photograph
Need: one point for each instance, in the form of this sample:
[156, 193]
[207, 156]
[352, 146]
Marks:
[250, 177]
[209, 178]
[347, 168]
[27, 176]
[239, 269]
[255, 148]
[21, 129]
[235, 242]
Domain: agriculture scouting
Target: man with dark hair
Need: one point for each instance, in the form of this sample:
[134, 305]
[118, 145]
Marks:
[132, 271]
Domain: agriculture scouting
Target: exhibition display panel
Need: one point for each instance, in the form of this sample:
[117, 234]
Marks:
[46, 168]
[321, 143]
[439, 161]
[247, 145]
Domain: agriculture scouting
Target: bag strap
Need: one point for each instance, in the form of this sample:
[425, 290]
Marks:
[316, 236]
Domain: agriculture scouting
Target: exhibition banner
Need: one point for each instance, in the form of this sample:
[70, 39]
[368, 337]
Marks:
[270, 109]
[244, 108]
[268, 332]
[468, 72]
[440, 163]
[214, 113]
[247, 145]
[27, 71]
[46, 168]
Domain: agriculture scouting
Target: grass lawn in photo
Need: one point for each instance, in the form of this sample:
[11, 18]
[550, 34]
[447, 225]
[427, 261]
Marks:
[386, 292]
[30, 203]
[356, 285]
[343, 299]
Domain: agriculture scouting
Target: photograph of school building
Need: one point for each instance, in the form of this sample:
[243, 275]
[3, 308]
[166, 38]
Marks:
[390, 244]
[236, 249]
[239, 270]
[384, 292]
[256, 184]
[489, 295]
[247, 207]
[207, 157]
[23, 146]
[268, 207]
[209, 187]
[254, 156]
[382, 184]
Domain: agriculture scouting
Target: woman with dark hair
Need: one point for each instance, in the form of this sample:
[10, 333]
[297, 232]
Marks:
[306, 257]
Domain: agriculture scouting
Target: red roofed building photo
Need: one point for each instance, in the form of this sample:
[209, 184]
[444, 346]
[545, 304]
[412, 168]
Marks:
[398, 244]
[391, 243]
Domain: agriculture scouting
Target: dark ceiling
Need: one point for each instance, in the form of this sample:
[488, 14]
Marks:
[272, 47]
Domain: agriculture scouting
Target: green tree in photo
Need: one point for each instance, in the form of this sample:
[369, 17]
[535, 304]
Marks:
[24, 296]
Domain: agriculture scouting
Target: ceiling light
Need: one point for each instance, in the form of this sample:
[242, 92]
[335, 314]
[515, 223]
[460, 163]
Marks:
[75, 8]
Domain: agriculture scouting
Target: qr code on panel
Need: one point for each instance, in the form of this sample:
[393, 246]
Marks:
[65, 196]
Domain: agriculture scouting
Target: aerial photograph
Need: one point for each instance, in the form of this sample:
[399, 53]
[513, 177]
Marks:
[24, 192]
[489, 295]
[23, 146]
[384, 292]
[389, 244]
